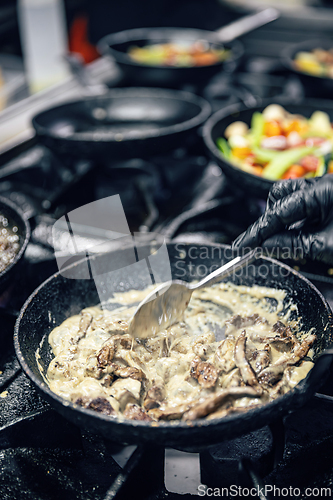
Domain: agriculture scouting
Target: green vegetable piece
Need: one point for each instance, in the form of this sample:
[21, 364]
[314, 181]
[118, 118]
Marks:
[278, 166]
[257, 128]
[323, 165]
[223, 146]
[264, 154]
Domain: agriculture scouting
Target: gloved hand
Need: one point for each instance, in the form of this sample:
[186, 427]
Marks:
[298, 219]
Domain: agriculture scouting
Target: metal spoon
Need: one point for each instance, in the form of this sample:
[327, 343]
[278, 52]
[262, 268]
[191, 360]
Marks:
[247, 24]
[166, 304]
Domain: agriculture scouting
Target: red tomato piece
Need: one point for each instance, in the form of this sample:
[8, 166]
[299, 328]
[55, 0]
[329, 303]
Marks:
[310, 163]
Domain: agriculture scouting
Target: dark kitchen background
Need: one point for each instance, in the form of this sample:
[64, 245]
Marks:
[182, 194]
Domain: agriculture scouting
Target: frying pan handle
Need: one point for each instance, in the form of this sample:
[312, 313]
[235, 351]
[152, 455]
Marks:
[81, 75]
[247, 24]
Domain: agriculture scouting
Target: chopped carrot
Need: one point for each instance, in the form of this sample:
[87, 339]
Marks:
[272, 128]
[205, 59]
[242, 152]
[292, 126]
[294, 172]
[299, 126]
[257, 170]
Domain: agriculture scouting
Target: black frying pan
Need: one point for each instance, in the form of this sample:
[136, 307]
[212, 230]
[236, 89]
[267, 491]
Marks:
[219, 121]
[124, 123]
[15, 217]
[315, 86]
[117, 44]
[58, 298]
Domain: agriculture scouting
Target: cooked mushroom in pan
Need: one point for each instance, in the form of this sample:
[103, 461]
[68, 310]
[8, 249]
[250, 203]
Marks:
[9, 242]
[235, 350]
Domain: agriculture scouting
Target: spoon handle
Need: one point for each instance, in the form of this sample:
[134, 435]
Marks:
[246, 24]
[226, 270]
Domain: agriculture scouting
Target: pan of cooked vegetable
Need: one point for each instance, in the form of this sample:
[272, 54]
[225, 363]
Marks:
[248, 350]
[312, 61]
[14, 239]
[172, 56]
[256, 147]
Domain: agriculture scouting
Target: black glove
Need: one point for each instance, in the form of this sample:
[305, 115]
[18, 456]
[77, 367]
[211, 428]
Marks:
[298, 219]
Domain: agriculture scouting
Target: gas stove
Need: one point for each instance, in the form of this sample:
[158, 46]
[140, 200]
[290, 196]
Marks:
[186, 198]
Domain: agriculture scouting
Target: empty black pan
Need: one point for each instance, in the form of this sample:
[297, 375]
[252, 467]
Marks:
[219, 121]
[59, 297]
[315, 86]
[117, 45]
[124, 123]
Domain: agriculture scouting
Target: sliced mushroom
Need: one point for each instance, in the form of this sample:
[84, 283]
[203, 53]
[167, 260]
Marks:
[101, 405]
[135, 412]
[260, 359]
[169, 413]
[271, 374]
[215, 401]
[302, 349]
[108, 351]
[85, 322]
[129, 372]
[242, 363]
[105, 355]
[224, 355]
[154, 397]
[283, 385]
[280, 343]
[206, 374]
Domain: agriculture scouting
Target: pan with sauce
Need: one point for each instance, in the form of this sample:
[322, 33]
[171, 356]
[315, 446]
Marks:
[234, 350]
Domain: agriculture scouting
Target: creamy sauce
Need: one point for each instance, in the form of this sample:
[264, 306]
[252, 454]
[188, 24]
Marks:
[231, 352]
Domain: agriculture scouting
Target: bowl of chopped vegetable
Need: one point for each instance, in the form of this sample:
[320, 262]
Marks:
[312, 61]
[256, 147]
[170, 57]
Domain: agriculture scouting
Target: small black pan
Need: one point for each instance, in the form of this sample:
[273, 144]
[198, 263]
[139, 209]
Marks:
[117, 45]
[219, 121]
[315, 86]
[59, 297]
[124, 123]
[15, 218]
